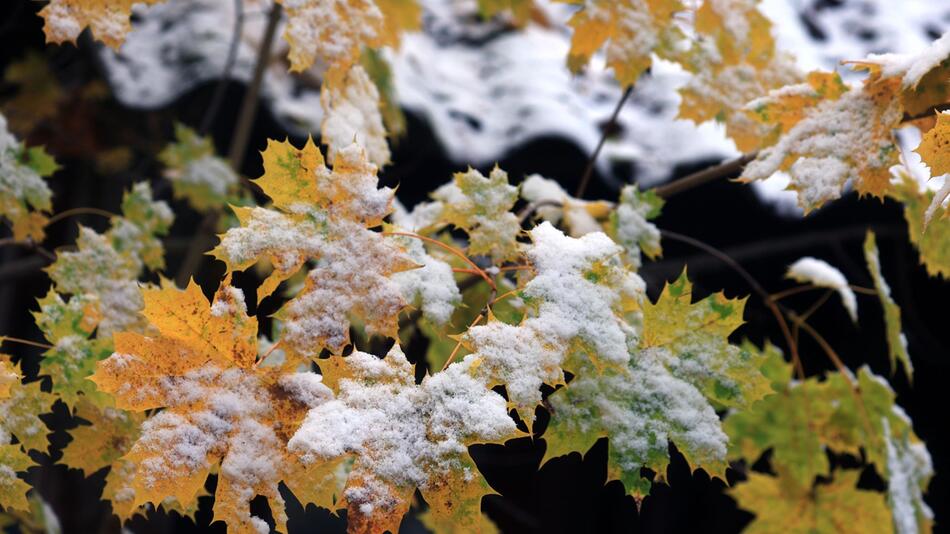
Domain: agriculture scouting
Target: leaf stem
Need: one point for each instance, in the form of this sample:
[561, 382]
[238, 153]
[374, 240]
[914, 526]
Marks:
[458, 345]
[22, 341]
[475, 268]
[79, 211]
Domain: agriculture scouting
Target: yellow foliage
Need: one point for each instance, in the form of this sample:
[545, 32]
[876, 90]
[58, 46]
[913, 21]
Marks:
[64, 20]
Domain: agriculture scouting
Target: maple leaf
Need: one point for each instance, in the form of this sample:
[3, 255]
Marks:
[909, 470]
[24, 195]
[829, 134]
[109, 21]
[683, 369]
[19, 412]
[520, 10]
[9, 376]
[106, 266]
[205, 180]
[820, 273]
[432, 285]
[732, 61]
[630, 226]
[896, 342]
[576, 305]
[782, 505]
[932, 241]
[580, 216]
[482, 207]
[322, 215]
[219, 409]
[107, 437]
[334, 31]
[934, 149]
[73, 357]
[405, 436]
[380, 72]
[352, 114]
[631, 29]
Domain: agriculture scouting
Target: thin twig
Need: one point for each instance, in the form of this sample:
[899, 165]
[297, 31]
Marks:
[805, 288]
[723, 170]
[591, 163]
[477, 270]
[238, 147]
[22, 341]
[79, 211]
[222, 85]
[754, 284]
[29, 244]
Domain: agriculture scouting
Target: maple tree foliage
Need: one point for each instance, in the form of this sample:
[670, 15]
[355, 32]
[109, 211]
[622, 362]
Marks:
[537, 309]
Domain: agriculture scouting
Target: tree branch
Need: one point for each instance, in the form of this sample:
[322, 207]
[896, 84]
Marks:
[589, 170]
[219, 90]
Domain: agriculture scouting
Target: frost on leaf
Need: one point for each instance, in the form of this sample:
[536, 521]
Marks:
[67, 325]
[580, 216]
[482, 207]
[922, 76]
[934, 149]
[220, 411]
[838, 506]
[205, 180]
[108, 20]
[630, 226]
[107, 266]
[631, 29]
[732, 61]
[829, 134]
[819, 273]
[403, 436]
[932, 242]
[324, 216]
[577, 305]
[335, 31]
[896, 342]
[19, 411]
[352, 114]
[24, 195]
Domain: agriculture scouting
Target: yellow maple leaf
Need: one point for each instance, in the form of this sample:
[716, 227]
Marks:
[233, 414]
[326, 216]
[9, 376]
[482, 207]
[109, 21]
[631, 29]
[19, 418]
[397, 446]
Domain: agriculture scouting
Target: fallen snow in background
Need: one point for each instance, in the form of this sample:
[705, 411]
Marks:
[486, 90]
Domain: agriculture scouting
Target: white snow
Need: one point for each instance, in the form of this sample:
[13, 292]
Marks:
[351, 114]
[432, 284]
[820, 273]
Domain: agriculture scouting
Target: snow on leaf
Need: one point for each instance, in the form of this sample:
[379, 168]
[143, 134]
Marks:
[13, 489]
[631, 29]
[782, 505]
[9, 376]
[64, 20]
[404, 436]
[24, 195]
[352, 114]
[325, 216]
[196, 173]
[909, 470]
[828, 136]
[696, 336]
[577, 304]
[334, 31]
[641, 409]
[896, 342]
[432, 285]
[932, 241]
[934, 149]
[67, 325]
[820, 273]
[733, 61]
[630, 226]
[923, 75]
[220, 411]
[580, 216]
[482, 207]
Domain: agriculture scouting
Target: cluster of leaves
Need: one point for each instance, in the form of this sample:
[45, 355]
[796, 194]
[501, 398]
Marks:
[176, 388]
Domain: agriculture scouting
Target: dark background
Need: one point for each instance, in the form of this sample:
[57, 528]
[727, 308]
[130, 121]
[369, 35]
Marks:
[569, 494]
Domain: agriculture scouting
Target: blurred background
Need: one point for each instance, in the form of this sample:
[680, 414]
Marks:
[476, 92]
